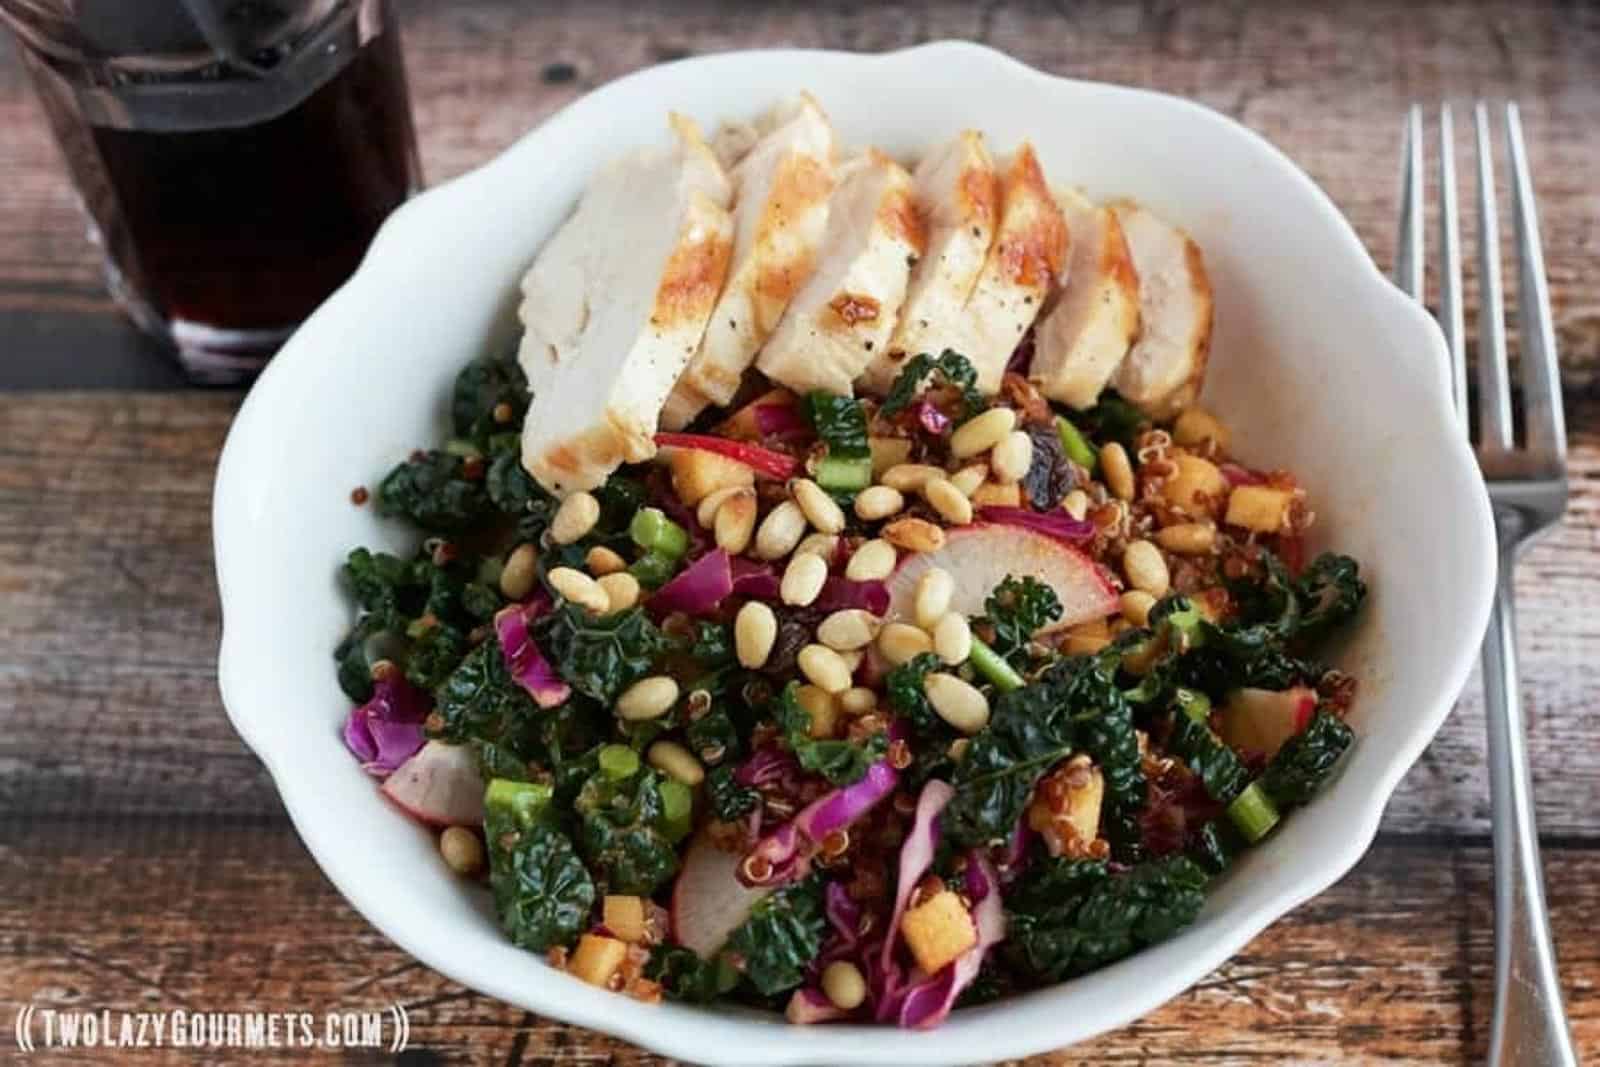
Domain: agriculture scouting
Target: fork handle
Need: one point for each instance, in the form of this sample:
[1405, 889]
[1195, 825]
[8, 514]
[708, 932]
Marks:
[1530, 1023]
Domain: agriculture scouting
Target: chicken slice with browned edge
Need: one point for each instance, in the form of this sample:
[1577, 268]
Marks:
[1086, 332]
[1163, 371]
[781, 189]
[847, 310]
[615, 304]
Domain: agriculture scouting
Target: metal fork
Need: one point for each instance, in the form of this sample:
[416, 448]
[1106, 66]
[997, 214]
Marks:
[1528, 490]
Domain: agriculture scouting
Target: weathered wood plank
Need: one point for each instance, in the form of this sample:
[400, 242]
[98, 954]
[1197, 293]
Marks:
[1394, 963]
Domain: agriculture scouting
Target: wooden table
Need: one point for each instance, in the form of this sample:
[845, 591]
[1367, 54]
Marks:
[145, 861]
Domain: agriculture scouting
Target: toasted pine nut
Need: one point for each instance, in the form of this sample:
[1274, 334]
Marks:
[957, 702]
[952, 638]
[621, 589]
[676, 762]
[780, 531]
[847, 630]
[802, 579]
[1116, 471]
[755, 628]
[852, 659]
[461, 849]
[878, 502]
[932, 597]
[843, 985]
[822, 667]
[819, 544]
[1187, 538]
[873, 560]
[1136, 605]
[820, 707]
[914, 535]
[519, 573]
[575, 517]
[858, 700]
[648, 698]
[705, 513]
[908, 477]
[982, 432]
[736, 522]
[579, 588]
[968, 478]
[1076, 504]
[1146, 569]
[901, 642]
[820, 509]
[1011, 457]
[1197, 426]
[958, 748]
[951, 503]
[601, 561]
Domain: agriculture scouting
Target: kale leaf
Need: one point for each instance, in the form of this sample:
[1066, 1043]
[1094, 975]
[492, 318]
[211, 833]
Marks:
[431, 489]
[952, 368]
[782, 937]
[514, 492]
[542, 890]
[481, 701]
[599, 657]
[435, 653]
[1218, 769]
[1110, 740]
[1330, 591]
[685, 976]
[839, 761]
[480, 387]
[1302, 764]
[1113, 419]
[622, 832]
[730, 801]
[1017, 609]
[840, 421]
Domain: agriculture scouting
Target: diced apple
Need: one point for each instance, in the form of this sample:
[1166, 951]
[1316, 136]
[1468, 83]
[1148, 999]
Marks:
[1066, 807]
[888, 451]
[697, 474]
[1258, 507]
[439, 785]
[1261, 720]
[938, 930]
[1083, 805]
[981, 556]
[743, 425]
[597, 958]
[995, 495]
[708, 901]
[625, 917]
[1197, 486]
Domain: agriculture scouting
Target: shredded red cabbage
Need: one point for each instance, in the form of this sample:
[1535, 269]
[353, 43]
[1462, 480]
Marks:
[916, 856]
[927, 1004]
[522, 657]
[781, 422]
[768, 765]
[932, 419]
[758, 581]
[1057, 524]
[840, 593]
[1237, 475]
[387, 730]
[697, 589]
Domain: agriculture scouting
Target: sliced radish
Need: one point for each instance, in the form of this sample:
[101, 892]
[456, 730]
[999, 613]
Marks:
[440, 785]
[761, 460]
[1261, 720]
[981, 556]
[708, 901]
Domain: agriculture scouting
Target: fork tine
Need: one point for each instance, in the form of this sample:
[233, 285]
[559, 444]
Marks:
[1451, 316]
[1541, 370]
[1408, 254]
[1494, 385]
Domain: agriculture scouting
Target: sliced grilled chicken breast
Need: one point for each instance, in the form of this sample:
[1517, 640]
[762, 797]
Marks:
[614, 306]
[847, 310]
[781, 189]
[1087, 331]
[1163, 371]
[958, 198]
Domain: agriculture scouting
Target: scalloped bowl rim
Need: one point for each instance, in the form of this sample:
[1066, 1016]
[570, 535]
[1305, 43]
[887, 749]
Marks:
[1049, 1018]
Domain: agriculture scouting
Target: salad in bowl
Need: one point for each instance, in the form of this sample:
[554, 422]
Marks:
[838, 601]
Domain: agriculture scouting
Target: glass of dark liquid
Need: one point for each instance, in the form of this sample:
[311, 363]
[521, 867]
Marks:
[234, 157]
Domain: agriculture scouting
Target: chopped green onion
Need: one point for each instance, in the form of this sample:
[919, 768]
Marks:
[1194, 704]
[526, 802]
[653, 569]
[677, 809]
[844, 475]
[1253, 812]
[989, 663]
[653, 531]
[618, 762]
[1077, 447]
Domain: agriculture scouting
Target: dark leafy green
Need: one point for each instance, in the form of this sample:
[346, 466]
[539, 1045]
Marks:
[1219, 770]
[685, 976]
[782, 937]
[730, 801]
[542, 890]
[1017, 609]
[599, 657]
[1330, 591]
[1112, 419]
[433, 492]
[481, 701]
[841, 423]
[839, 761]
[622, 832]
[1303, 763]
[951, 368]
[480, 387]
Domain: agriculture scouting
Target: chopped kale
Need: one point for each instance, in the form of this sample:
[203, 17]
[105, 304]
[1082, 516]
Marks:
[841, 423]
[1303, 763]
[778, 943]
[623, 831]
[481, 387]
[952, 368]
[599, 657]
[730, 801]
[433, 492]
[542, 891]
[685, 976]
[1218, 769]
[1017, 609]
[839, 761]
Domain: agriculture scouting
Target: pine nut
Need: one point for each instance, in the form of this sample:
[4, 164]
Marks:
[852, 659]
[858, 700]
[820, 509]
[819, 544]
[969, 478]
[601, 561]
[847, 630]
[873, 561]
[802, 579]
[932, 598]
[648, 698]
[1116, 471]
[878, 502]
[914, 535]
[578, 587]
[823, 668]
[1197, 426]
[957, 702]
[952, 638]
[780, 531]
[461, 849]
[958, 748]
[1136, 605]
[755, 629]
[575, 517]
[1011, 457]
[1187, 538]
[519, 573]
[1146, 569]
[908, 477]
[676, 762]
[820, 708]
[705, 513]
[950, 502]
[900, 642]
[1076, 504]
[621, 589]
[736, 522]
[981, 433]
[843, 985]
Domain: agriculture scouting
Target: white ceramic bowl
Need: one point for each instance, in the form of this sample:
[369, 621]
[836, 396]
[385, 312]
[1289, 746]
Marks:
[1319, 365]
